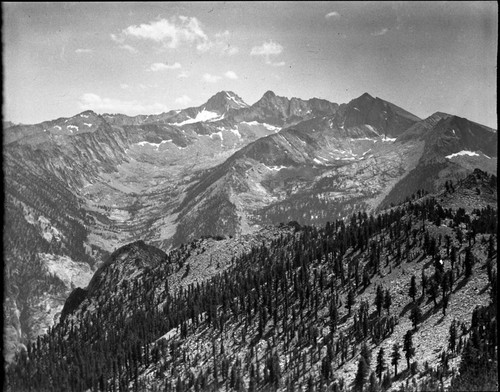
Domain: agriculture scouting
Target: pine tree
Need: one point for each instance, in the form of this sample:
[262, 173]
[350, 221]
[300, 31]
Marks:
[424, 282]
[413, 288]
[380, 364]
[453, 336]
[351, 300]
[373, 385]
[408, 347]
[387, 300]
[433, 290]
[395, 357]
[361, 375]
[469, 262]
[453, 256]
[366, 354]
[416, 315]
[379, 299]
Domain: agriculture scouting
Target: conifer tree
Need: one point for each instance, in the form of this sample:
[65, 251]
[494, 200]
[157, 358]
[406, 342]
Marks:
[395, 357]
[380, 363]
[387, 300]
[415, 316]
[350, 300]
[361, 374]
[424, 282]
[469, 262]
[373, 385]
[412, 292]
[453, 336]
[379, 299]
[408, 347]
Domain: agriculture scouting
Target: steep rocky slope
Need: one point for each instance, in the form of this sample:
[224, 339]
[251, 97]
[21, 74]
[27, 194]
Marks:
[291, 307]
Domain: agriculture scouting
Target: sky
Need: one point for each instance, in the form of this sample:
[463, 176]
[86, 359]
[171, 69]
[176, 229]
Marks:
[146, 58]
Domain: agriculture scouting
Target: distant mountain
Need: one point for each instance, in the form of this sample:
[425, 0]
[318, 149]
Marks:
[281, 111]
[453, 147]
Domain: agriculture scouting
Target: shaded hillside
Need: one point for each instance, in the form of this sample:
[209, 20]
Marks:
[453, 147]
[320, 309]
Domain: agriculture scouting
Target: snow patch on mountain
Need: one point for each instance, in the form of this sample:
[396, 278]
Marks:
[265, 125]
[275, 168]
[461, 153]
[236, 132]
[204, 115]
[217, 134]
[371, 128]
[371, 139]
[236, 101]
[71, 127]
[88, 125]
[157, 145]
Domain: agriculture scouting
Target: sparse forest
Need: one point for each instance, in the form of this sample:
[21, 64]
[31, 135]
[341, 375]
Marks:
[290, 314]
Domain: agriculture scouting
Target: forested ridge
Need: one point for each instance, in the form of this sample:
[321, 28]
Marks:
[338, 308]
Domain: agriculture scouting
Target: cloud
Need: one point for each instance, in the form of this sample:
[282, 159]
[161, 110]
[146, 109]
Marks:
[278, 64]
[380, 32]
[184, 100]
[211, 78]
[183, 75]
[124, 86]
[333, 14]
[170, 33]
[220, 44]
[267, 50]
[177, 31]
[120, 41]
[162, 66]
[111, 105]
[82, 50]
[231, 75]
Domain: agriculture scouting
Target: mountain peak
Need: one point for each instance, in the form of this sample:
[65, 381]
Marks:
[87, 113]
[224, 101]
[365, 96]
[269, 94]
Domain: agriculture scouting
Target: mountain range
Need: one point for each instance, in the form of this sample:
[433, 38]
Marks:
[78, 188]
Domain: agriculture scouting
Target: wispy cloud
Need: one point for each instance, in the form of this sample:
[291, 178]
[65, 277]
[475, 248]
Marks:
[231, 75]
[211, 78]
[177, 31]
[183, 75]
[333, 14]
[380, 32]
[83, 50]
[268, 50]
[111, 105]
[184, 100]
[124, 86]
[120, 41]
[155, 67]
[220, 44]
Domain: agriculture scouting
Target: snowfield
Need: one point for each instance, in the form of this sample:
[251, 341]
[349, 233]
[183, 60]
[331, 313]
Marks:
[461, 153]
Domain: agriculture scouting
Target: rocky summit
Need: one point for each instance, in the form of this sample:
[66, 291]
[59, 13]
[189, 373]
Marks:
[78, 189]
